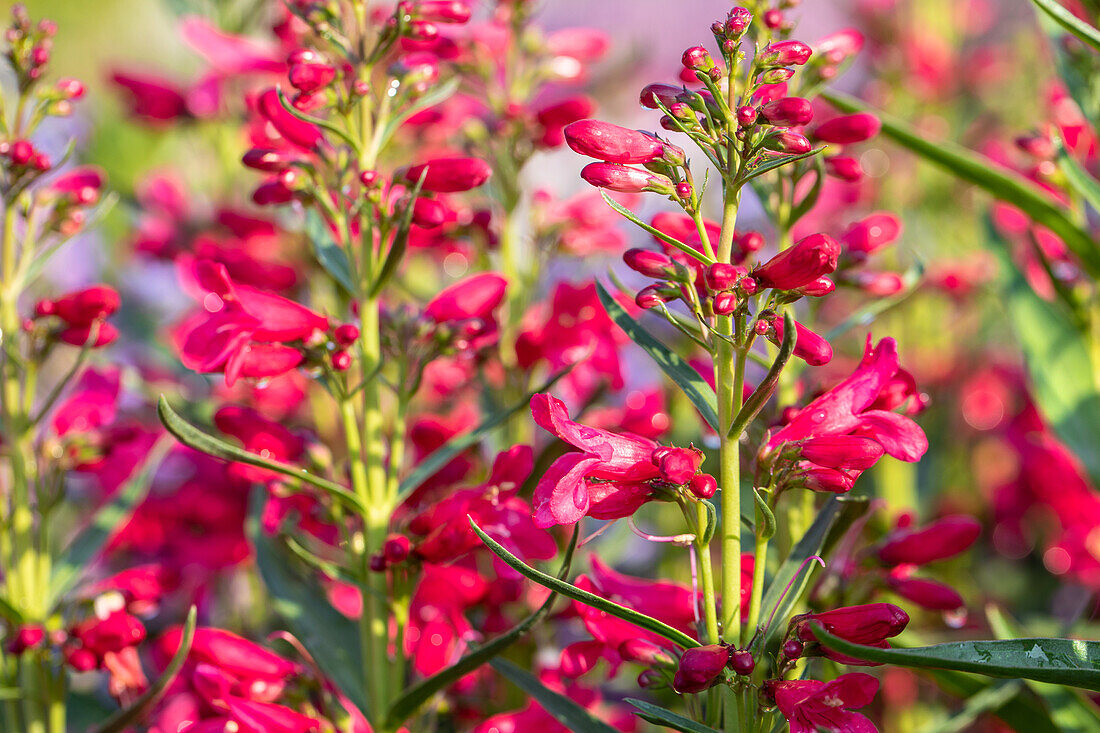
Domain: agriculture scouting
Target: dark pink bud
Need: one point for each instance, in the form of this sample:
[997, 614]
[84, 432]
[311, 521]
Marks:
[651, 296]
[26, 637]
[683, 191]
[442, 11]
[420, 68]
[808, 346]
[827, 480]
[785, 53]
[649, 263]
[346, 334]
[879, 284]
[724, 303]
[677, 465]
[723, 276]
[703, 485]
[295, 131]
[810, 258]
[45, 308]
[666, 93]
[611, 143]
[748, 286]
[872, 233]
[272, 192]
[555, 117]
[848, 129]
[70, 88]
[309, 78]
[428, 213]
[842, 451]
[21, 152]
[271, 161]
[926, 593]
[738, 21]
[341, 360]
[870, 624]
[792, 649]
[818, 288]
[843, 167]
[450, 175]
[377, 563]
[86, 306]
[787, 142]
[746, 115]
[624, 179]
[941, 539]
[651, 679]
[423, 30]
[646, 652]
[396, 549]
[749, 242]
[700, 668]
[788, 112]
[369, 178]
[697, 58]
[773, 18]
[741, 662]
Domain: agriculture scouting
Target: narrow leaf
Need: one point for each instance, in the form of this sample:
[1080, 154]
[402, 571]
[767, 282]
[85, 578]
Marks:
[1022, 712]
[987, 700]
[1072, 662]
[659, 716]
[436, 95]
[1078, 178]
[560, 707]
[330, 254]
[418, 694]
[772, 163]
[590, 599]
[329, 636]
[86, 546]
[192, 437]
[445, 453]
[763, 392]
[1070, 22]
[400, 240]
[671, 363]
[685, 248]
[1001, 183]
[123, 719]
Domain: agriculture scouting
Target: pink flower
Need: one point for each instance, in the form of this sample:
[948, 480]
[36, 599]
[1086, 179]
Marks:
[809, 346]
[554, 118]
[940, 539]
[845, 452]
[612, 143]
[624, 179]
[607, 480]
[810, 705]
[848, 129]
[297, 132]
[810, 258]
[700, 668]
[450, 175]
[788, 112]
[153, 98]
[929, 594]
[846, 409]
[870, 624]
[785, 53]
[261, 436]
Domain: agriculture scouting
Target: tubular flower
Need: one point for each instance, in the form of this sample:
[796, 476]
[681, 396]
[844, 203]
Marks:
[612, 143]
[810, 705]
[870, 624]
[450, 175]
[846, 409]
[941, 539]
[608, 479]
[810, 258]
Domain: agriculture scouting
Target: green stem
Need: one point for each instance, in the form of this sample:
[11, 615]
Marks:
[706, 571]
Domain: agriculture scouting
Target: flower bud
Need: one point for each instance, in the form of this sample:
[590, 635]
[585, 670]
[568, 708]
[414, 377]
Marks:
[70, 88]
[748, 285]
[746, 115]
[264, 159]
[272, 192]
[842, 451]
[723, 276]
[683, 191]
[844, 167]
[646, 652]
[738, 22]
[818, 288]
[773, 19]
[612, 143]
[788, 112]
[848, 129]
[346, 334]
[309, 78]
[703, 485]
[651, 679]
[787, 142]
[665, 93]
[428, 213]
[941, 539]
[697, 58]
[651, 296]
[869, 624]
[341, 360]
[926, 593]
[837, 47]
[741, 662]
[442, 11]
[624, 179]
[871, 234]
[724, 304]
[450, 175]
[785, 53]
[808, 346]
[775, 76]
[649, 263]
[878, 284]
[828, 480]
[86, 306]
[26, 637]
[700, 668]
[792, 649]
[810, 258]
[295, 131]
[396, 549]
[677, 465]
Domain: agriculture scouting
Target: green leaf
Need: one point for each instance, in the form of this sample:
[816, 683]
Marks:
[141, 707]
[627, 213]
[1072, 662]
[590, 599]
[435, 96]
[1070, 710]
[671, 363]
[330, 254]
[445, 453]
[418, 694]
[772, 163]
[560, 707]
[400, 240]
[1078, 178]
[86, 546]
[1063, 376]
[659, 716]
[1022, 712]
[329, 636]
[763, 392]
[986, 700]
[1001, 183]
[192, 437]
[793, 575]
[1070, 22]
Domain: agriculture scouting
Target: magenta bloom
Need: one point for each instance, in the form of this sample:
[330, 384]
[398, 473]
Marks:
[785, 53]
[810, 258]
[700, 668]
[870, 624]
[612, 143]
[941, 539]
[450, 175]
[788, 112]
[846, 409]
[297, 132]
[624, 179]
[809, 346]
[848, 129]
[608, 479]
[809, 705]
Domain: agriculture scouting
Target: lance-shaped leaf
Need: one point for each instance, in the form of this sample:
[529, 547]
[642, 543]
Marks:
[328, 635]
[438, 94]
[771, 163]
[763, 392]
[678, 370]
[1071, 662]
[400, 240]
[136, 712]
[418, 694]
[685, 248]
[192, 437]
[1021, 712]
[330, 254]
[1001, 183]
[659, 716]
[561, 708]
[1070, 22]
[589, 599]
[447, 452]
[1078, 178]
[79, 555]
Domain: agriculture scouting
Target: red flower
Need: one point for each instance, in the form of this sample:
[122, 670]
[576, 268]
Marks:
[941, 539]
[450, 175]
[870, 624]
[612, 143]
[810, 258]
[810, 705]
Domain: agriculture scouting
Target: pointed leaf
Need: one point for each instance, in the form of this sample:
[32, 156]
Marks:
[330, 254]
[560, 707]
[1022, 712]
[1078, 178]
[763, 392]
[329, 636]
[123, 719]
[671, 363]
[192, 437]
[590, 599]
[1003, 184]
[1070, 22]
[659, 716]
[672, 241]
[772, 163]
[86, 546]
[1072, 662]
